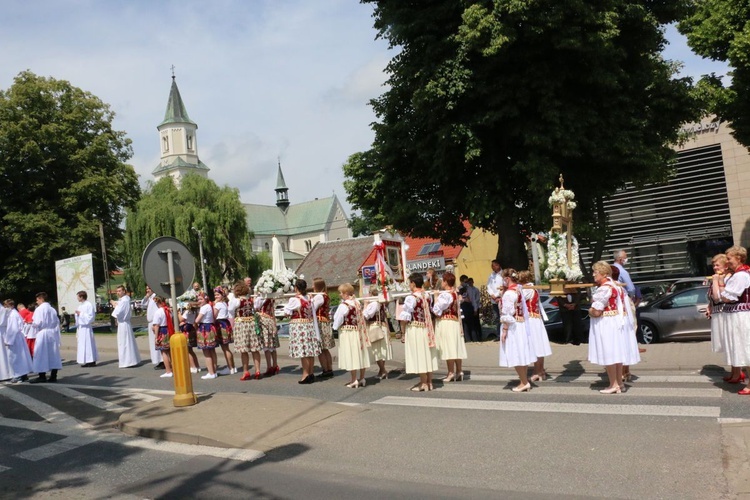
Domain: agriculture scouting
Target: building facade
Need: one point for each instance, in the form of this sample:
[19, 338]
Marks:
[674, 229]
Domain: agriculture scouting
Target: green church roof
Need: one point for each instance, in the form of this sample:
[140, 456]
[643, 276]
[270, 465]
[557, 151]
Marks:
[310, 216]
[177, 163]
[176, 112]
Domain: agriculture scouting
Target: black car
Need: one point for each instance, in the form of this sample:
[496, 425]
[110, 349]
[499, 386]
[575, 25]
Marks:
[554, 326]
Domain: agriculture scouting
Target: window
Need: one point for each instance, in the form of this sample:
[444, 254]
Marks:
[428, 248]
[308, 245]
[165, 143]
[190, 142]
[690, 298]
[268, 248]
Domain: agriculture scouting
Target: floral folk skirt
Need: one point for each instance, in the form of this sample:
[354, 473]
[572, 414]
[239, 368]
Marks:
[303, 341]
[206, 336]
[162, 339]
[269, 337]
[246, 338]
[224, 331]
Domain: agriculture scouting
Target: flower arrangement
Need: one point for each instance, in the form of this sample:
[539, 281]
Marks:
[563, 196]
[557, 258]
[276, 282]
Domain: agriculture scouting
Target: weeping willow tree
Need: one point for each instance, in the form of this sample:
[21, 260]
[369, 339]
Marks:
[166, 210]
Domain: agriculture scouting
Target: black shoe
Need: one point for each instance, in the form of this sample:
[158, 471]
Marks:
[42, 378]
[160, 366]
[327, 374]
[88, 365]
[307, 380]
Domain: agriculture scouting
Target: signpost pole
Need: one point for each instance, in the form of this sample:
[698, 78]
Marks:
[183, 383]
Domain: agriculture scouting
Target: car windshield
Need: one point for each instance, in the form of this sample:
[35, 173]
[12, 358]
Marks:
[689, 298]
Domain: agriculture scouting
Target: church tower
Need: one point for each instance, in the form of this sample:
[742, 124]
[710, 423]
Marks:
[282, 195]
[178, 141]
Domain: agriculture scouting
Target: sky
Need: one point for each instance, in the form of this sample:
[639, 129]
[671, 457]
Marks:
[265, 80]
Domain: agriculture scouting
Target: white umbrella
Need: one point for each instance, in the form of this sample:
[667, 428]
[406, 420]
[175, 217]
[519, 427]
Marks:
[277, 256]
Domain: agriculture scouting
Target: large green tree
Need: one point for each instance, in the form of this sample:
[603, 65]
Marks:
[720, 30]
[166, 210]
[63, 171]
[489, 101]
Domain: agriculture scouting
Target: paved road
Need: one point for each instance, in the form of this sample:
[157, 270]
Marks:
[667, 437]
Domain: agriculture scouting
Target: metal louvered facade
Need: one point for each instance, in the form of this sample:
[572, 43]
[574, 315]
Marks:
[673, 229]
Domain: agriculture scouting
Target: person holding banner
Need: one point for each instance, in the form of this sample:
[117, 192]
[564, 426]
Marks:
[448, 335]
[538, 338]
[376, 321]
[420, 350]
[353, 341]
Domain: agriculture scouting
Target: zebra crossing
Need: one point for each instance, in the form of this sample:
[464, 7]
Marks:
[579, 394]
[76, 433]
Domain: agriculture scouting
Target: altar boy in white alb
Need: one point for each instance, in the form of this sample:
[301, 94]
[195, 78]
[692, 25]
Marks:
[87, 355]
[127, 349]
[19, 357]
[47, 345]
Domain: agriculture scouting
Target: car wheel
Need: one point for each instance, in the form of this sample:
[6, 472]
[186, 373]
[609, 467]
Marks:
[648, 333]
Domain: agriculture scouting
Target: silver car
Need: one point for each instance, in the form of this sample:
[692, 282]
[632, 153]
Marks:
[680, 315]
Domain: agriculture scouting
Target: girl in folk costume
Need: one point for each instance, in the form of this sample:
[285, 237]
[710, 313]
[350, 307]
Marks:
[223, 327]
[353, 340]
[246, 334]
[448, 335]
[607, 327]
[377, 332]
[420, 351]
[736, 298]
[163, 328]
[206, 335]
[321, 304]
[515, 348]
[269, 336]
[630, 331]
[186, 319]
[304, 343]
[714, 312]
[538, 338]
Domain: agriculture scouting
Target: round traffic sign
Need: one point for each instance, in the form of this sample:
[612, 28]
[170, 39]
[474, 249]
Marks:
[155, 266]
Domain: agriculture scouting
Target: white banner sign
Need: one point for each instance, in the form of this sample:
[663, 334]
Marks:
[73, 275]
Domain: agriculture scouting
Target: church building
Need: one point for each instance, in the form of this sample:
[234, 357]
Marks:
[179, 144]
[297, 226]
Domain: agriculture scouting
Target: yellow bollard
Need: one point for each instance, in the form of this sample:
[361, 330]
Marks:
[183, 382]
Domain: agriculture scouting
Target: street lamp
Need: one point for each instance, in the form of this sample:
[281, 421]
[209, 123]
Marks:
[200, 248]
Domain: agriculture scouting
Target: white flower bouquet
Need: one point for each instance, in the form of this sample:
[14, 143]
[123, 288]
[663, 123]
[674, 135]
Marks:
[557, 259]
[278, 283]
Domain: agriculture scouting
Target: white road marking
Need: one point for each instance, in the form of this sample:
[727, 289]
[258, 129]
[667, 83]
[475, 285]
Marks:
[3, 468]
[530, 406]
[85, 398]
[591, 378]
[79, 434]
[566, 390]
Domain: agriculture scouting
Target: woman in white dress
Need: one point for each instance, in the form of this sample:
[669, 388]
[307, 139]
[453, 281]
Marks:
[448, 335]
[538, 338]
[353, 341]
[607, 327]
[376, 320]
[714, 313]
[736, 298]
[515, 348]
[631, 353]
[420, 351]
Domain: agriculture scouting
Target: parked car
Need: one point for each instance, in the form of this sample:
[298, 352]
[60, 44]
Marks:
[279, 311]
[679, 315]
[554, 326]
[685, 283]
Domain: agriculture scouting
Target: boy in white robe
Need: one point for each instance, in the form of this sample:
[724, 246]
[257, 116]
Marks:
[127, 349]
[47, 346]
[19, 357]
[87, 355]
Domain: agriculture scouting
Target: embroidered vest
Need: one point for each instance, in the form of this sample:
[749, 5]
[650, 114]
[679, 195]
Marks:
[245, 310]
[418, 314]
[305, 309]
[324, 311]
[379, 317]
[452, 311]
[268, 308]
[743, 302]
[532, 305]
[350, 319]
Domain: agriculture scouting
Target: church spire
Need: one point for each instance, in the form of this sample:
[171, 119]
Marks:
[176, 112]
[282, 196]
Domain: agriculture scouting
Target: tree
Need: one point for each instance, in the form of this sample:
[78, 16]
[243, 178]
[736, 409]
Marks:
[720, 30]
[488, 102]
[166, 210]
[63, 171]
